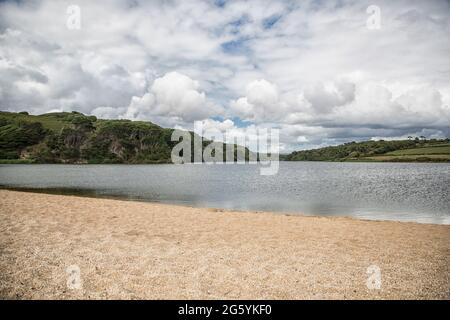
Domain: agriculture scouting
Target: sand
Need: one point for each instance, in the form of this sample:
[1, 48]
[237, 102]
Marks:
[134, 250]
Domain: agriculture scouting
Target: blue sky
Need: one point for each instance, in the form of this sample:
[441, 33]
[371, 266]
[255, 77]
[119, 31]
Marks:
[313, 69]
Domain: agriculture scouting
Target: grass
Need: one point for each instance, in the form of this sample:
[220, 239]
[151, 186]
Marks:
[443, 149]
[16, 161]
[51, 121]
[409, 158]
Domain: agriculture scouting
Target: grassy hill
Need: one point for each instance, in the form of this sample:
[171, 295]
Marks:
[71, 137]
[413, 150]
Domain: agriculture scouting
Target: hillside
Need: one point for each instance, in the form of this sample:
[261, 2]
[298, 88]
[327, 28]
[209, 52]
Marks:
[75, 138]
[413, 150]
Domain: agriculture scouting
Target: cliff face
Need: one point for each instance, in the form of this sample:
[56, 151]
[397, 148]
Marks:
[75, 138]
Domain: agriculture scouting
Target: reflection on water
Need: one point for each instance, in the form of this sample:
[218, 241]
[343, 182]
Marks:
[395, 191]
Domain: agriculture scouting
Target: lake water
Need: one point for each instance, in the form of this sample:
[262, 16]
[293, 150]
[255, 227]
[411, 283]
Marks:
[394, 191]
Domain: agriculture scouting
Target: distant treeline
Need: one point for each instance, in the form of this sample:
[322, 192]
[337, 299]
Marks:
[419, 149]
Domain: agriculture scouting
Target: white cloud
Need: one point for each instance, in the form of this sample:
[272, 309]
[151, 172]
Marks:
[174, 96]
[261, 103]
[323, 99]
[107, 112]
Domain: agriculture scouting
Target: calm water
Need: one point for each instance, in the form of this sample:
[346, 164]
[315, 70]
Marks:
[394, 191]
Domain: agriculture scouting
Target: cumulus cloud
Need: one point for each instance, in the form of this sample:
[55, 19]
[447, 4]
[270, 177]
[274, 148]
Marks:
[107, 112]
[174, 96]
[323, 99]
[39, 76]
[376, 112]
[261, 102]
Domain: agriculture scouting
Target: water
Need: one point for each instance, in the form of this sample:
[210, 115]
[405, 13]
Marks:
[394, 191]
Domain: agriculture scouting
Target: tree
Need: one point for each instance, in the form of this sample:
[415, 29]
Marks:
[83, 123]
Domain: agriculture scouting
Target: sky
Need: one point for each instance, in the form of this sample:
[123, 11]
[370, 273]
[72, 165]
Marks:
[322, 72]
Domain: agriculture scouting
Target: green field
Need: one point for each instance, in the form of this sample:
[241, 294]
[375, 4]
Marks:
[410, 158]
[443, 149]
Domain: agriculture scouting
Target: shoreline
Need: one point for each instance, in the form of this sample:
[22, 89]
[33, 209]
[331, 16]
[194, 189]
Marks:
[93, 195]
[131, 249]
[28, 162]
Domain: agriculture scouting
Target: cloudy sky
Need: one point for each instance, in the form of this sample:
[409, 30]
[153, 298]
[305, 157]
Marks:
[317, 70]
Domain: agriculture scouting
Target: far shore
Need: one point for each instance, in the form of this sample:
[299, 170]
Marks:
[379, 159]
[140, 250]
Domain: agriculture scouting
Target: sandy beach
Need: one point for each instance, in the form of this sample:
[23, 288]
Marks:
[134, 250]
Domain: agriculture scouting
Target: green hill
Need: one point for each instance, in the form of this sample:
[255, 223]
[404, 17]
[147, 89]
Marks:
[413, 150]
[75, 138]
